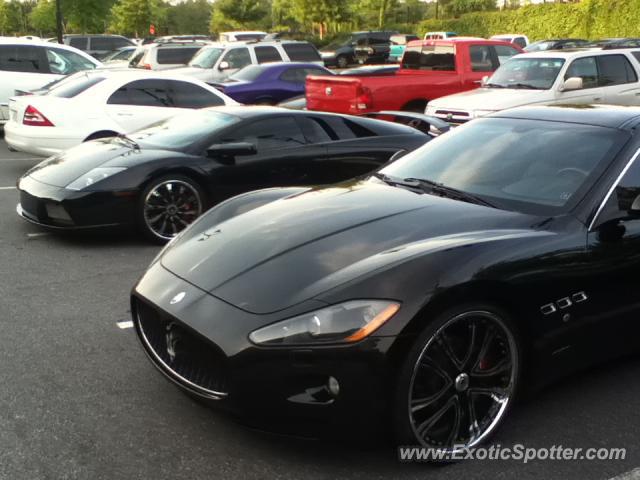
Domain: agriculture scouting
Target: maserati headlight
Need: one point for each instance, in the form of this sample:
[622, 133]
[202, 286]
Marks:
[327, 54]
[94, 176]
[344, 323]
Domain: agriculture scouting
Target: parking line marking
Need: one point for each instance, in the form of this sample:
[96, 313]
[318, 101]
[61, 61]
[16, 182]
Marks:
[631, 475]
[7, 188]
[125, 324]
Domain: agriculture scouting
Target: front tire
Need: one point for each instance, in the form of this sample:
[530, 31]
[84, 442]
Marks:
[168, 205]
[459, 380]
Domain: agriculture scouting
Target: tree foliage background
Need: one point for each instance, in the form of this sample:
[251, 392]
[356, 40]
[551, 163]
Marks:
[321, 20]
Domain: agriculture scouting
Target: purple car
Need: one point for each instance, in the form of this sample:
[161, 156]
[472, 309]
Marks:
[270, 83]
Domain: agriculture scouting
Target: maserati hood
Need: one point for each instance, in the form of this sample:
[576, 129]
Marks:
[293, 249]
[490, 99]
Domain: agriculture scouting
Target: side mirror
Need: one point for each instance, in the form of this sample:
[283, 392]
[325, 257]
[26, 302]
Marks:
[224, 66]
[573, 83]
[226, 152]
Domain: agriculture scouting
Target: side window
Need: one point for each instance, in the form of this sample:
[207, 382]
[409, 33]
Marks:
[188, 95]
[586, 69]
[346, 129]
[504, 53]
[102, 44]
[267, 54]
[615, 70]
[625, 193]
[23, 58]
[301, 52]
[284, 132]
[120, 42]
[520, 41]
[317, 129]
[79, 42]
[299, 75]
[180, 55]
[64, 62]
[481, 59]
[146, 93]
[237, 58]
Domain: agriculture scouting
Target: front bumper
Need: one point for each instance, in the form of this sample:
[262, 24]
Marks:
[283, 388]
[40, 141]
[58, 208]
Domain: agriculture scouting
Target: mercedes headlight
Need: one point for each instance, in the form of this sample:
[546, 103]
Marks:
[343, 323]
[94, 176]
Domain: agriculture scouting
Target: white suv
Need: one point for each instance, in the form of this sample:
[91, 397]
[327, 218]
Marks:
[216, 62]
[30, 64]
[558, 77]
[164, 56]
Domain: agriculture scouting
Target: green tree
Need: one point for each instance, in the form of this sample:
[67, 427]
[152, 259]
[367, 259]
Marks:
[190, 16]
[322, 14]
[87, 16]
[240, 14]
[43, 17]
[455, 8]
[133, 17]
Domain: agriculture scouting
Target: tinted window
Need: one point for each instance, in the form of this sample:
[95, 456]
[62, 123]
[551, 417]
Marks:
[626, 192]
[346, 129]
[237, 58]
[481, 60]
[317, 129]
[520, 41]
[267, 54]
[64, 62]
[586, 69]
[430, 57]
[78, 42]
[526, 165]
[299, 75]
[301, 52]
[504, 53]
[135, 60]
[183, 130]
[615, 70]
[180, 55]
[148, 93]
[75, 87]
[22, 58]
[102, 43]
[121, 42]
[282, 132]
[188, 95]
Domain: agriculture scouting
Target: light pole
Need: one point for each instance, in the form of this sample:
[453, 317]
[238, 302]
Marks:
[59, 20]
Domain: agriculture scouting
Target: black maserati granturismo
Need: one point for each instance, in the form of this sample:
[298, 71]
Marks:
[497, 257]
[163, 177]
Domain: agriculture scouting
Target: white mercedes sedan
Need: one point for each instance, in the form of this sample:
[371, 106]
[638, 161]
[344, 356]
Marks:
[100, 104]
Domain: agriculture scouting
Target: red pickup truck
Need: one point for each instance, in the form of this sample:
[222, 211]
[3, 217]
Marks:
[429, 69]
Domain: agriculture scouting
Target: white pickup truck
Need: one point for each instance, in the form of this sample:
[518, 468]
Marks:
[587, 76]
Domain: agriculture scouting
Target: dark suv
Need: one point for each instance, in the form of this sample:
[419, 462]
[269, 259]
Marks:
[342, 52]
[98, 46]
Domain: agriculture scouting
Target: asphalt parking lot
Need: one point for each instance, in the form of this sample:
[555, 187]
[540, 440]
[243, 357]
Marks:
[80, 400]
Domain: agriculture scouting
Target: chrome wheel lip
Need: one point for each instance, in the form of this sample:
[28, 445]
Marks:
[171, 206]
[475, 441]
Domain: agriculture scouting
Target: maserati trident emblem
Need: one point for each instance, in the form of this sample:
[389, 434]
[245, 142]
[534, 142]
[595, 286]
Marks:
[449, 117]
[178, 298]
[328, 91]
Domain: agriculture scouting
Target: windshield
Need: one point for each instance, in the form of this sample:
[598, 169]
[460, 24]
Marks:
[532, 73]
[525, 165]
[539, 46]
[249, 73]
[337, 43]
[206, 58]
[183, 130]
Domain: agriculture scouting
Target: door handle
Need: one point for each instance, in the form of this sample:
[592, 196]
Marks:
[597, 99]
[122, 114]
